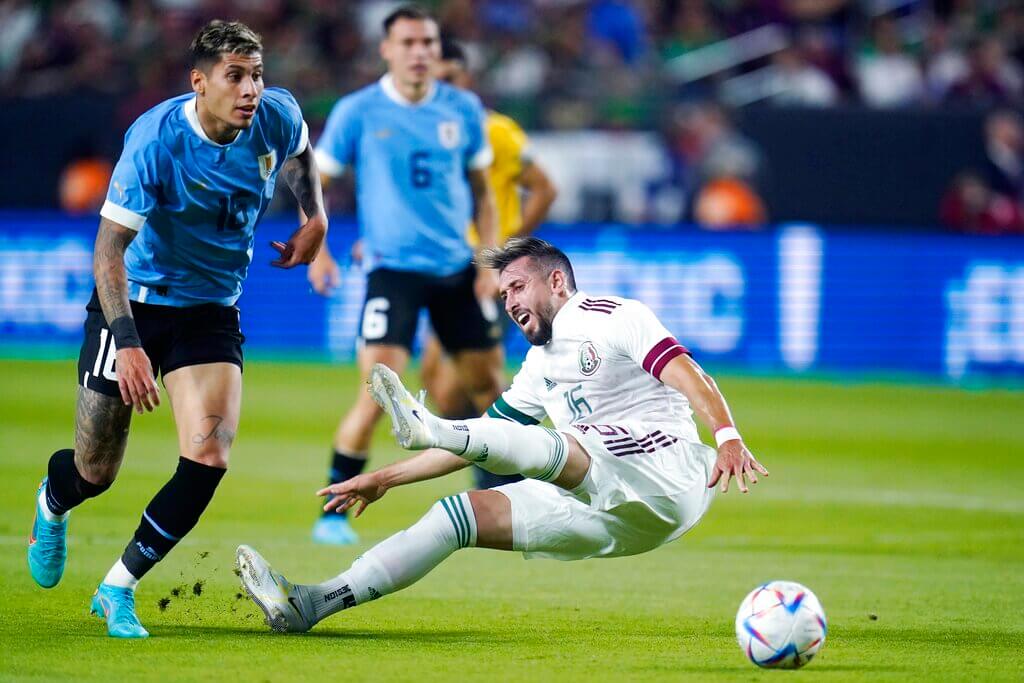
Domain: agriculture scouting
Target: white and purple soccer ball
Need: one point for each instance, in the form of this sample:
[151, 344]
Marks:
[781, 625]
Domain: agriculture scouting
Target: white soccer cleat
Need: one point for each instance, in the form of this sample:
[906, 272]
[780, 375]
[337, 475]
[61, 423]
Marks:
[287, 607]
[411, 421]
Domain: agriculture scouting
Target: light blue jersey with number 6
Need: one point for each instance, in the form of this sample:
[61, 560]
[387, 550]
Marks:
[410, 162]
[196, 203]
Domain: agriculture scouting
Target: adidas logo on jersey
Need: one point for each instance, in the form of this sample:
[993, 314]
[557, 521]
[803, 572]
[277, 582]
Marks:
[549, 384]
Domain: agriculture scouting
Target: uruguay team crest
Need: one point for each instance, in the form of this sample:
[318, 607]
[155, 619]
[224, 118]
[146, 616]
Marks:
[268, 162]
[589, 360]
[448, 134]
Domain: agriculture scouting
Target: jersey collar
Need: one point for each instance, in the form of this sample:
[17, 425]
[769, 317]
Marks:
[572, 302]
[192, 116]
[387, 84]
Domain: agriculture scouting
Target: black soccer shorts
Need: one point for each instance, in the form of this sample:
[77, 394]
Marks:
[394, 299]
[173, 337]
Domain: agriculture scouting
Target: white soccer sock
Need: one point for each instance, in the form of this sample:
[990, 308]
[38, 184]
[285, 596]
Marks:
[401, 560]
[120, 576]
[505, 447]
[47, 512]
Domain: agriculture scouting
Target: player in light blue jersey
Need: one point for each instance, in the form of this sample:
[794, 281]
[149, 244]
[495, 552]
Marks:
[420, 156]
[174, 243]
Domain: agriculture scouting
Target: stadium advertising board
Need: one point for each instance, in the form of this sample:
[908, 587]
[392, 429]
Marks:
[796, 299]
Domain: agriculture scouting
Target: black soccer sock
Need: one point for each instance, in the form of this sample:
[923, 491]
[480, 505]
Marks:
[65, 486]
[343, 467]
[171, 514]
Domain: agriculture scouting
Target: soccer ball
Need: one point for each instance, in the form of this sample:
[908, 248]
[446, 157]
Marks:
[781, 625]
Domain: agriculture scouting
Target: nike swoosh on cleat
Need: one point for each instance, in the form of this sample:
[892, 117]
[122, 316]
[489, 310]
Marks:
[416, 414]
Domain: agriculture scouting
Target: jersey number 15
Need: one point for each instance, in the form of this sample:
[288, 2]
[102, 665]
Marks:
[234, 211]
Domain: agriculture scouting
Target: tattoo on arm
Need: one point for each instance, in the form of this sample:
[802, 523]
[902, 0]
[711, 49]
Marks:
[108, 268]
[304, 180]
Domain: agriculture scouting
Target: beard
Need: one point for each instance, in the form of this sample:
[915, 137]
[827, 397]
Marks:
[542, 335]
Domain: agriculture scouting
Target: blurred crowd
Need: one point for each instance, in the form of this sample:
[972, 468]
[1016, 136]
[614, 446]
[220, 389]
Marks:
[675, 66]
[551, 63]
[989, 200]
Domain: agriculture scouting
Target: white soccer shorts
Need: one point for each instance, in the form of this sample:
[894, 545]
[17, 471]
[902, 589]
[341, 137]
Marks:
[644, 489]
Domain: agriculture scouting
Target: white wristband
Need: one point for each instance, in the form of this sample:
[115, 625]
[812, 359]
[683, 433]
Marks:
[723, 434]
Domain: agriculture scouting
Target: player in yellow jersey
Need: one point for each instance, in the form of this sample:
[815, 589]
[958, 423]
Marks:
[513, 171]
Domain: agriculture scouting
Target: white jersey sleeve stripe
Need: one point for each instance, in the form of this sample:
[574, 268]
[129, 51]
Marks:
[327, 164]
[482, 159]
[303, 142]
[122, 216]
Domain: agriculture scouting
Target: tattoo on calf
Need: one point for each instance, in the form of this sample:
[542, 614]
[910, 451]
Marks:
[221, 434]
[101, 428]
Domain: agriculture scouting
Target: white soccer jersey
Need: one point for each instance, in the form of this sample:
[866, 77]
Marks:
[601, 367]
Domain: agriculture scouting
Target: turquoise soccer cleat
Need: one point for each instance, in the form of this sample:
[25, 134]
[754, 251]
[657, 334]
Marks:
[334, 530]
[117, 606]
[47, 547]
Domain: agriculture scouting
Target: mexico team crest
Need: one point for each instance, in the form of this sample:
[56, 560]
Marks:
[448, 134]
[589, 360]
[268, 162]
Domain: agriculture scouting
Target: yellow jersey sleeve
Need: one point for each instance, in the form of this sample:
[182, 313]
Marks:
[510, 144]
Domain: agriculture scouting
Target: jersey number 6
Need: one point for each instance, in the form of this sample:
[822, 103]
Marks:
[418, 170]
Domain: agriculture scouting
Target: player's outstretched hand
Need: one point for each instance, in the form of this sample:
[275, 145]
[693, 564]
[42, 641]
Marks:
[324, 274]
[303, 245]
[734, 460]
[360, 490]
[135, 379]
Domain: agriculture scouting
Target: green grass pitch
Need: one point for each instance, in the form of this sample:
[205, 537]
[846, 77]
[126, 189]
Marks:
[901, 506]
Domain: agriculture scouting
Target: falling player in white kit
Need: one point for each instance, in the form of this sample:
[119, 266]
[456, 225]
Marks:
[623, 472]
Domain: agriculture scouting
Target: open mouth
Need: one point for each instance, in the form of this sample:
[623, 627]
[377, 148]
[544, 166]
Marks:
[522, 318]
[247, 111]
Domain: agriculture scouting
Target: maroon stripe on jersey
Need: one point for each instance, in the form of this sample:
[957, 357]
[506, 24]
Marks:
[664, 360]
[648, 443]
[658, 349]
[659, 356]
[599, 305]
[622, 454]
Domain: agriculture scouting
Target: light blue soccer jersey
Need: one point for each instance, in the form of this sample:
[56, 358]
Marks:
[410, 160]
[196, 203]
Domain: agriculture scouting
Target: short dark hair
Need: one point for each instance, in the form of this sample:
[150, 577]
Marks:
[223, 37]
[452, 51]
[414, 12]
[546, 255]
